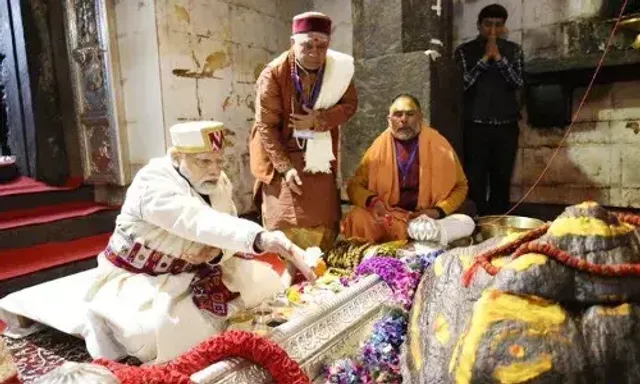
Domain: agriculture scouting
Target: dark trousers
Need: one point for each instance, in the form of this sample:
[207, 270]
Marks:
[489, 154]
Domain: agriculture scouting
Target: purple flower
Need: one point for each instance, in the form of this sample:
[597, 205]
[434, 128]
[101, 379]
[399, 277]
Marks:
[379, 360]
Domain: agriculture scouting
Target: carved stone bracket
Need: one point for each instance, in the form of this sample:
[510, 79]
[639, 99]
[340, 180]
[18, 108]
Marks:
[96, 84]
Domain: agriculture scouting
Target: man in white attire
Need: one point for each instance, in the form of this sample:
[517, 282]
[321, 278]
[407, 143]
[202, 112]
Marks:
[180, 260]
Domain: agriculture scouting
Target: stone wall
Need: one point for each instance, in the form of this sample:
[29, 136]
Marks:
[389, 40]
[185, 60]
[341, 13]
[598, 159]
[137, 39]
[198, 59]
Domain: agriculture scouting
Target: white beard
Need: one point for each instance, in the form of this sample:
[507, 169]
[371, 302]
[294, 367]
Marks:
[221, 195]
[222, 189]
[220, 192]
[207, 188]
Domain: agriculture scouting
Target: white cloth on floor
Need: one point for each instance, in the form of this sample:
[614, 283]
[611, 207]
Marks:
[57, 303]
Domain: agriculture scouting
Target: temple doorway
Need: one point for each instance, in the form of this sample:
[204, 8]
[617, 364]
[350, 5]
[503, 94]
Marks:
[37, 117]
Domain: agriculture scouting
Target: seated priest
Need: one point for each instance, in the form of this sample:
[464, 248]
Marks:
[409, 170]
[179, 261]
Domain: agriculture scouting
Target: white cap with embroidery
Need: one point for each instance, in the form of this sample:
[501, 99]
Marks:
[198, 136]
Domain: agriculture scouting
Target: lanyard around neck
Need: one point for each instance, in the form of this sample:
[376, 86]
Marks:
[315, 91]
[404, 167]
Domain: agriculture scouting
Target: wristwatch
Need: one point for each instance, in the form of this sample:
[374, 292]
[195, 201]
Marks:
[257, 243]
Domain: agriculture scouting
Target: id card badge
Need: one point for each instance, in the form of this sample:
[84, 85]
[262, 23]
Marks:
[303, 134]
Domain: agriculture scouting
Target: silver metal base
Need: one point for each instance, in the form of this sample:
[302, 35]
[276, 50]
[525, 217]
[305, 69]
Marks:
[333, 331]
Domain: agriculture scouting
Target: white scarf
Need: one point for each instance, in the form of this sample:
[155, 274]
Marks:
[338, 72]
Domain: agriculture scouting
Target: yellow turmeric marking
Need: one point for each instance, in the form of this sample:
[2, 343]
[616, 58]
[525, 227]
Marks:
[516, 350]
[500, 261]
[587, 205]
[441, 328]
[620, 310]
[438, 268]
[466, 261]
[495, 306]
[512, 236]
[414, 334]
[527, 261]
[456, 353]
[524, 371]
[587, 226]
[403, 104]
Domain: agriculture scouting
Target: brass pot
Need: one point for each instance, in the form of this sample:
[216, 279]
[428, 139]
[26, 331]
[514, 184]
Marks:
[494, 226]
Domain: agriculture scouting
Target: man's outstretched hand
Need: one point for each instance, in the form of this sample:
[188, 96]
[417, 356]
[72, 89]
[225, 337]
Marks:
[277, 242]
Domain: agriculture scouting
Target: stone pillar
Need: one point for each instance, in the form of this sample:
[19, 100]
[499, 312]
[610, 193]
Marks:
[389, 40]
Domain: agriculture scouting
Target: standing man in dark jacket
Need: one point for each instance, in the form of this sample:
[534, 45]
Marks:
[492, 70]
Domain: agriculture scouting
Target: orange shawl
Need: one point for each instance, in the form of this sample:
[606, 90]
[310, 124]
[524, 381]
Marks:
[437, 168]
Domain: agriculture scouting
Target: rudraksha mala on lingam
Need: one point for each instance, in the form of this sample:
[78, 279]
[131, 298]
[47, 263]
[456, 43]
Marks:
[525, 244]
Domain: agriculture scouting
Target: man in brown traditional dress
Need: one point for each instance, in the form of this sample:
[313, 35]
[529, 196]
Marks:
[303, 97]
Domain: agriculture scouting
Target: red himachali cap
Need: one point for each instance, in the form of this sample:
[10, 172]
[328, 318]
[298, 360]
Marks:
[311, 22]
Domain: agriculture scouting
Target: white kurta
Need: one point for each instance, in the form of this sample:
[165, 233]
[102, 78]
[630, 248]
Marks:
[153, 317]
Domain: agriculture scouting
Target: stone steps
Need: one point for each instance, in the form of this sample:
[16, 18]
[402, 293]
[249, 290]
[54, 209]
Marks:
[58, 231]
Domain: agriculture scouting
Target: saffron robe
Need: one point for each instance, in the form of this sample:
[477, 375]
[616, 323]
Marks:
[442, 184]
[310, 219]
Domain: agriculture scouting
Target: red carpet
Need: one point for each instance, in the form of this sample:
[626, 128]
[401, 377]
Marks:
[21, 261]
[48, 213]
[23, 185]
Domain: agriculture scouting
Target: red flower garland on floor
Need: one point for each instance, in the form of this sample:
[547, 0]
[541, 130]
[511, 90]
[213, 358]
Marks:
[230, 344]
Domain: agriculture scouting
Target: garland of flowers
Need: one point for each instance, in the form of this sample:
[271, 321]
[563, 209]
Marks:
[229, 344]
[346, 254]
[379, 359]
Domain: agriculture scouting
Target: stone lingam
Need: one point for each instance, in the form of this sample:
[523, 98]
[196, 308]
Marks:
[560, 303]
